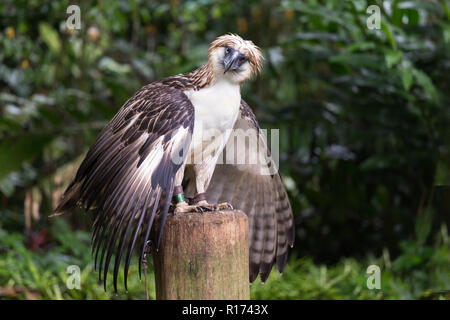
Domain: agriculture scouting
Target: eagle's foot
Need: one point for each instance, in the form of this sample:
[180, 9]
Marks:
[215, 207]
[183, 207]
[205, 206]
[225, 206]
[200, 206]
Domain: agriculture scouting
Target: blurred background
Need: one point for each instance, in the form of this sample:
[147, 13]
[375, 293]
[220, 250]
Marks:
[364, 123]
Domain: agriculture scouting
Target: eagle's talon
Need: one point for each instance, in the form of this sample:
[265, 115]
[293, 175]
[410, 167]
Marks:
[200, 208]
[204, 208]
[225, 206]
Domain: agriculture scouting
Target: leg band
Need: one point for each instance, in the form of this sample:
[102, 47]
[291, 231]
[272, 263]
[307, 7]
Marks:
[199, 197]
[178, 194]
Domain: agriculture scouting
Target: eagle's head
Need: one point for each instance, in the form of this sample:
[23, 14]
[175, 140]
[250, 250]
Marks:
[234, 58]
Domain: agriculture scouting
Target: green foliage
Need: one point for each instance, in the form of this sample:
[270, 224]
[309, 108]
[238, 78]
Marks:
[419, 272]
[42, 274]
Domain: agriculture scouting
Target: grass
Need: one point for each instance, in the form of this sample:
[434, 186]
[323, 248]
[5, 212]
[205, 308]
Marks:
[419, 272]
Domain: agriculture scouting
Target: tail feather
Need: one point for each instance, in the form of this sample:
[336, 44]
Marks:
[69, 200]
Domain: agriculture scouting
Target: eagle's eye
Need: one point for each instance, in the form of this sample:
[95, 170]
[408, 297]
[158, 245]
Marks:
[227, 50]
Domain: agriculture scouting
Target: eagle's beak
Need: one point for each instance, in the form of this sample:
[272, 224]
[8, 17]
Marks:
[233, 61]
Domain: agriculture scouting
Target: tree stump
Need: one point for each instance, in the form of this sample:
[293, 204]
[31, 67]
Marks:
[203, 256]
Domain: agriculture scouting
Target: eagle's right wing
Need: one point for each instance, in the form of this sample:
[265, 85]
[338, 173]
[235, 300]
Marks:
[248, 179]
[128, 173]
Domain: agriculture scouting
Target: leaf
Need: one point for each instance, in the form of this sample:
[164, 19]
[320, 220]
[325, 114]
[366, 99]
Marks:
[374, 163]
[446, 32]
[50, 37]
[110, 65]
[361, 46]
[389, 35]
[358, 59]
[393, 57]
[381, 161]
[406, 73]
[446, 9]
[320, 11]
[442, 174]
[425, 82]
[424, 5]
[7, 187]
[413, 17]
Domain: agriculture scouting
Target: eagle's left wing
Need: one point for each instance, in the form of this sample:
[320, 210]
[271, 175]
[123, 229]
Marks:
[128, 173]
[248, 179]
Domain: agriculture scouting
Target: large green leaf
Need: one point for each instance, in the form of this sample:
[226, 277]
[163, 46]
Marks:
[50, 37]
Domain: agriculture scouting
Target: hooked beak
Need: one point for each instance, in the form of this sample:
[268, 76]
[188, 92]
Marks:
[233, 61]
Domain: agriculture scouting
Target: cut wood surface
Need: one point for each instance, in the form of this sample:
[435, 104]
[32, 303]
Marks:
[203, 256]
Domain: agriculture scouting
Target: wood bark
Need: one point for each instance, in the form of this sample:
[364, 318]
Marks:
[203, 256]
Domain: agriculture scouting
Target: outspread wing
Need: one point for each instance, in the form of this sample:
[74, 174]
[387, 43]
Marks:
[248, 179]
[128, 173]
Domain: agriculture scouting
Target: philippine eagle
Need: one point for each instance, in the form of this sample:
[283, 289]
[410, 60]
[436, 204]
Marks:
[163, 147]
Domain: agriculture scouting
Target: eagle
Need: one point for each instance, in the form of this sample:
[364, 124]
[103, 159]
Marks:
[170, 148]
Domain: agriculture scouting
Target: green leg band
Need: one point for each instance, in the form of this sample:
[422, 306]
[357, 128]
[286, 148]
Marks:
[179, 197]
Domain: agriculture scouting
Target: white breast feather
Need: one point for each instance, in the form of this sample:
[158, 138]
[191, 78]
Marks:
[216, 111]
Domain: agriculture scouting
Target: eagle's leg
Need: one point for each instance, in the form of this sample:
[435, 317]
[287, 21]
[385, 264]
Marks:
[200, 200]
[198, 205]
[202, 182]
[183, 207]
[202, 173]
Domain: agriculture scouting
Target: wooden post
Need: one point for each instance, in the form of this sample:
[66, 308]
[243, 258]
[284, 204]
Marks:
[203, 256]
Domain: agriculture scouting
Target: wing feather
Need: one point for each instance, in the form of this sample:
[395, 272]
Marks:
[256, 188]
[128, 174]
[269, 242]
